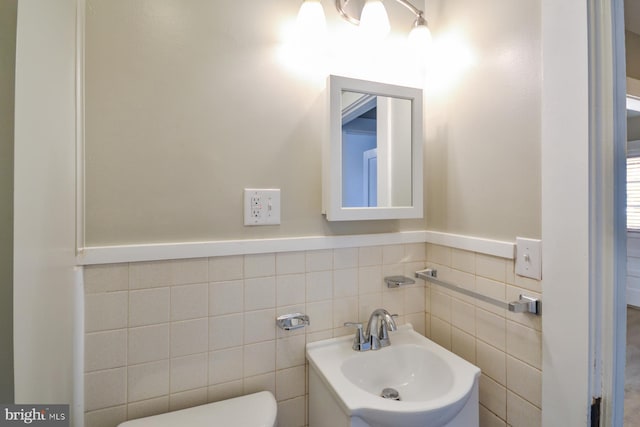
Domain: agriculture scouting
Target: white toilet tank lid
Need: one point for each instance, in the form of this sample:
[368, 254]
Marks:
[252, 410]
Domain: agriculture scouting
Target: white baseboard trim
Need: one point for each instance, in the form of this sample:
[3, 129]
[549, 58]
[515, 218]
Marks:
[166, 251]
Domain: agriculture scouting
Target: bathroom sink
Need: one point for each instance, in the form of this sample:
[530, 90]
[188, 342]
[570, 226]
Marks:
[406, 368]
[433, 384]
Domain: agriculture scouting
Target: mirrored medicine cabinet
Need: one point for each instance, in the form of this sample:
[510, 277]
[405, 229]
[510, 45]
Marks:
[372, 164]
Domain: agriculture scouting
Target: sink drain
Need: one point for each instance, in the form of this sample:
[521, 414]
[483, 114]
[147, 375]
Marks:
[390, 393]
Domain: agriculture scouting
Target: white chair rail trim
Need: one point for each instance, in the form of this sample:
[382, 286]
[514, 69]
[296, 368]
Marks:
[165, 251]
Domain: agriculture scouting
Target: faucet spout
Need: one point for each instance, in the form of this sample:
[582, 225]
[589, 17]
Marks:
[380, 322]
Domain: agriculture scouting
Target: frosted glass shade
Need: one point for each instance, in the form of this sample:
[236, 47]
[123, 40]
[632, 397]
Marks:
[374, 22]
[420, 38]
[311, 25]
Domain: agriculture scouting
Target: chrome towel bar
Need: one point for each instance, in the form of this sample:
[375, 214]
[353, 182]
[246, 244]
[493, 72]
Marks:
[525, 304]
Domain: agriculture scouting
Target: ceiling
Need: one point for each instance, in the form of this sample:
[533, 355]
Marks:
[632, 15]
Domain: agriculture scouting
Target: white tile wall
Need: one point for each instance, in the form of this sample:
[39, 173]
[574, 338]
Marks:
[188, 372]
[105, 388]
[172, 334]
[148, 306]
[506, 346]
[148, 344]
[188, 399]
[226, 297]
[147, 380]
[105, 350]
[108, 310]
[189, 302]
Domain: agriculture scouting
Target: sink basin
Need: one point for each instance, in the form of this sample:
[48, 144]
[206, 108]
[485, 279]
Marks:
[415, 372]
[434, 385]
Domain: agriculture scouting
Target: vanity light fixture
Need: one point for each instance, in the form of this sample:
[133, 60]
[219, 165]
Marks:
[373, 20]
[310, 23]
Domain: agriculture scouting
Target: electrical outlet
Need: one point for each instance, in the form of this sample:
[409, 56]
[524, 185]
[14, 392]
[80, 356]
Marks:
[261, 206]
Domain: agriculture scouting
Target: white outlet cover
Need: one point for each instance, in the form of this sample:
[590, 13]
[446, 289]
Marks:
[529, 258]
[261, 206]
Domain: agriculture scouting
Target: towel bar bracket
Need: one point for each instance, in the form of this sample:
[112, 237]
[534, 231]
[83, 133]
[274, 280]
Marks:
[525, 304]
[397, 281]
[292, 321]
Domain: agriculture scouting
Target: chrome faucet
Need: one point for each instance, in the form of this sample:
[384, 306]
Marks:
[376, 335]
[380, 322]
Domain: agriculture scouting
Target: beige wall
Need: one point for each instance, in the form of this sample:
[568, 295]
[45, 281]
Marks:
[187, 104]
[632, 45]
[483, 150]
[190, 102]
[8, 10]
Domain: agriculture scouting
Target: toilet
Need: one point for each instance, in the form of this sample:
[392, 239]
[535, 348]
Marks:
[252, 410]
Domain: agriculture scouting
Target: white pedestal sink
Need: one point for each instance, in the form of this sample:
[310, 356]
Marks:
[436, 387]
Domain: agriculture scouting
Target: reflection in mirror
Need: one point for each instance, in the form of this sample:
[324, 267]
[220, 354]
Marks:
[376, 150]
[373, 156]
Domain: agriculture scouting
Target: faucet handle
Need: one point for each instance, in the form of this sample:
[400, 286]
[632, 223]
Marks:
[360, 343]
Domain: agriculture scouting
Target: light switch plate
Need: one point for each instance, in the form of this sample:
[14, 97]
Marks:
[261, 206]
[529, 258]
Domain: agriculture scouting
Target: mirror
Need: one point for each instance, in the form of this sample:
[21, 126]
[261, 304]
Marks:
[373, 156]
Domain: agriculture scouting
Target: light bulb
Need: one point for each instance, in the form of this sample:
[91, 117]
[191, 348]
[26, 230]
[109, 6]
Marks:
[420, 38]
[420, 43]
[374, 22]
[311, 26]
